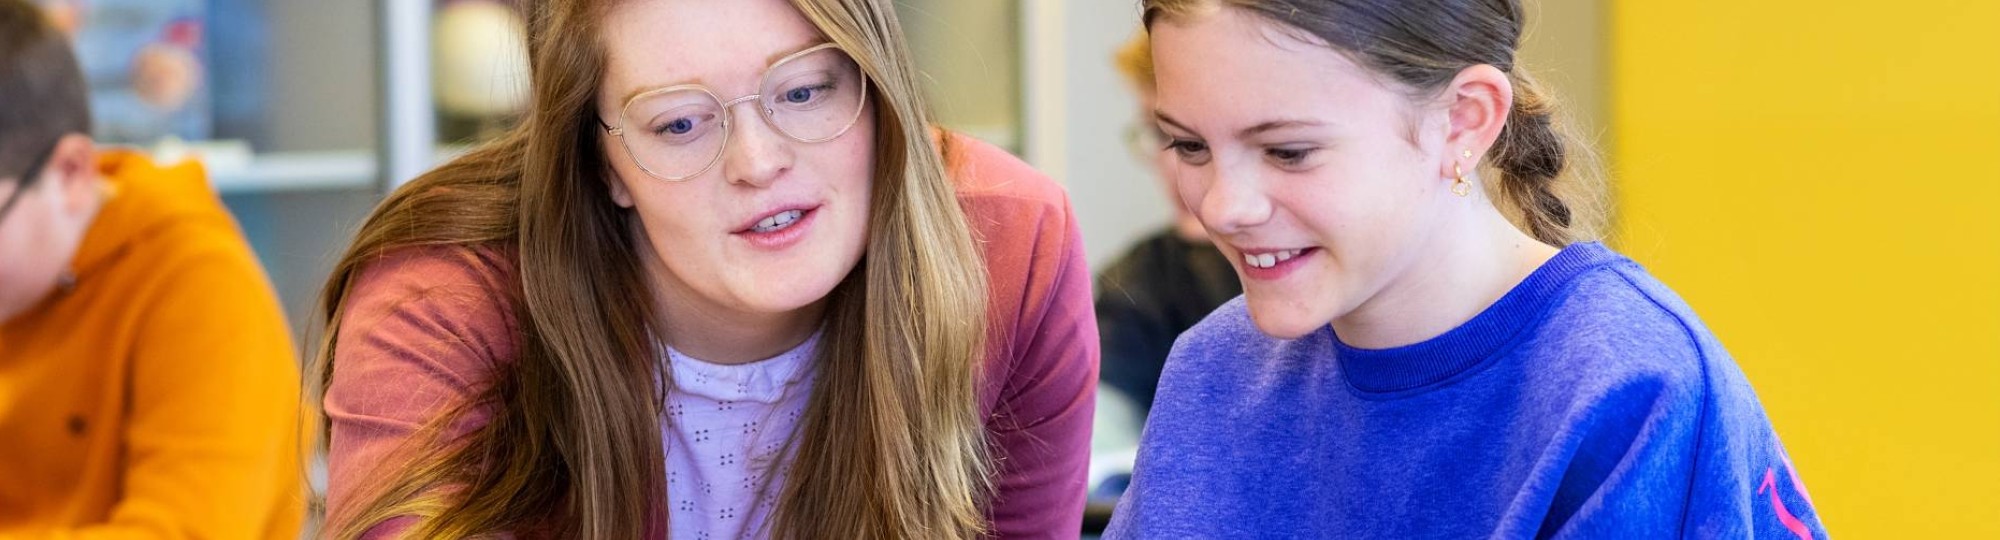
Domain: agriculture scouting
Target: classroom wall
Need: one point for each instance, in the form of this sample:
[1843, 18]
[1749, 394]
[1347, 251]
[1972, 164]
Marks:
[1816, 179]
[1118, 198]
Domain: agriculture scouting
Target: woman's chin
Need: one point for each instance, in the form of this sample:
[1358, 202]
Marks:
[787, 295]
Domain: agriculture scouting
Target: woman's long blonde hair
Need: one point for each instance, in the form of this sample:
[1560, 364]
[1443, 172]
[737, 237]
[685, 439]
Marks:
[892, 445]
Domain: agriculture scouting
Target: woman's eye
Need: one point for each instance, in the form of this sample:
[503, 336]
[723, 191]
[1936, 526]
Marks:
[804, 94]
[682, 126]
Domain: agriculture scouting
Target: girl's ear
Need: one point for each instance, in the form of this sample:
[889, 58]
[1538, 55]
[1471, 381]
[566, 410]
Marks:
[1477, 104]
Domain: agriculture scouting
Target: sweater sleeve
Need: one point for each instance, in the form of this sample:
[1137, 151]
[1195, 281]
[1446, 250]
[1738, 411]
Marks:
[1744, 483]
[1041, 424]
[423, 334]
[1038, 383]
[1704, 464]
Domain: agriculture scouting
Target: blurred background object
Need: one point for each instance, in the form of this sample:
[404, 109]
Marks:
[479, 68]
[972, 52]
[166, 73]
[143, 62]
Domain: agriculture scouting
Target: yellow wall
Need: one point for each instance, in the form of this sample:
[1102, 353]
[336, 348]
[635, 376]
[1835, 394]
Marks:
[1821, 180]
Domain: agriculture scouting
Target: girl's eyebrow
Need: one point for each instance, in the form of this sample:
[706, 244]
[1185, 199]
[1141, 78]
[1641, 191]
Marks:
[1272, 125]
[1169, 120]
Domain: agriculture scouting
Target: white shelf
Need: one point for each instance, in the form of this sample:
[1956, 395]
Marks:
[295, 171]
[280, 172]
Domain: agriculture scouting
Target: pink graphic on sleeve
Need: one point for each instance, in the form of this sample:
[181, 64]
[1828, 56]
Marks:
[1785, 516]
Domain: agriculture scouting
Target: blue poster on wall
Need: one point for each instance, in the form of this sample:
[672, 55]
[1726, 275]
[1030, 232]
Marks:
[143, 59]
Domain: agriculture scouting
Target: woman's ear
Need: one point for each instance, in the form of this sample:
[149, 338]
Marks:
[1477, 104]
[613, 181]
[619, 195]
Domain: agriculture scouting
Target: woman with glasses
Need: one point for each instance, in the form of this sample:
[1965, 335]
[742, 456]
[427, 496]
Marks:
[1428, 345]
[724, 281]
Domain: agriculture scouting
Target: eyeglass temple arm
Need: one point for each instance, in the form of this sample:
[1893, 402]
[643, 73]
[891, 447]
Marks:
[28, 177]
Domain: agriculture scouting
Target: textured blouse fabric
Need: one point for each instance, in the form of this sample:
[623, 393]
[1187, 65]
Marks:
[725, 434]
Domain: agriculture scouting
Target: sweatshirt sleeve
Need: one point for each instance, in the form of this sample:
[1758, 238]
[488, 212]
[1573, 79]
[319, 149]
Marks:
[1744, 483]
[1039, 376]
[1704, 464]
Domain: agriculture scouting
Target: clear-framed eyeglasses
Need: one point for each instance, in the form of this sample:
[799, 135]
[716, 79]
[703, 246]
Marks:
[679, 132]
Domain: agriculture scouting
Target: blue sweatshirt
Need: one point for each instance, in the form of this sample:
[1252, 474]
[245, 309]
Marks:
[1588, 402]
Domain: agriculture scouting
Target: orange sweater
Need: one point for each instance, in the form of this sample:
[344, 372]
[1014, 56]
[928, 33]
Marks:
[158, 397]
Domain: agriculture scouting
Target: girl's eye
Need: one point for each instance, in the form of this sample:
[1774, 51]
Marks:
[1290, 156]
[1186, 148]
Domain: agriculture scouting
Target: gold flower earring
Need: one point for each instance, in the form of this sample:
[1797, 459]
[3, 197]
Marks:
[1461, 187]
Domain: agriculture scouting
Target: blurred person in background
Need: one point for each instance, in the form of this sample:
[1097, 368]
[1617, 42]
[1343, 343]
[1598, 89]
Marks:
[1159, 288]
[148, 384]
[1167, 282]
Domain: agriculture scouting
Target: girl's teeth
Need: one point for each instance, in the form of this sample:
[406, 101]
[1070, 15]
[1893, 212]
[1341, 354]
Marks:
[1267, 260]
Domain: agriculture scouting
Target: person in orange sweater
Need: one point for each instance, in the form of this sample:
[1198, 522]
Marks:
[148, 383]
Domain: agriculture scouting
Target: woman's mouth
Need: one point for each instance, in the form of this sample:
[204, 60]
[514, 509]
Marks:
[778, 221]
[780, 229]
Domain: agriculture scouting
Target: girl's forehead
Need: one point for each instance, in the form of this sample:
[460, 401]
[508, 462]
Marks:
[1229, 71]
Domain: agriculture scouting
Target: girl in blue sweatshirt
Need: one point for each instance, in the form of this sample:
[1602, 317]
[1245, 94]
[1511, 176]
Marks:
[1426, 347]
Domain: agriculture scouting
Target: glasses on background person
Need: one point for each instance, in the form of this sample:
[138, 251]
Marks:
[27, 180]
[1144, 140]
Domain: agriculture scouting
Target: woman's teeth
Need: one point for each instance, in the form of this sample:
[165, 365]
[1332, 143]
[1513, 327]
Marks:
[1268, 260]
[778, 221]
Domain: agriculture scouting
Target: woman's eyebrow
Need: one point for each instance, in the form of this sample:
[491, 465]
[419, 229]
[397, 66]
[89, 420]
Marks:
[768, 62]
